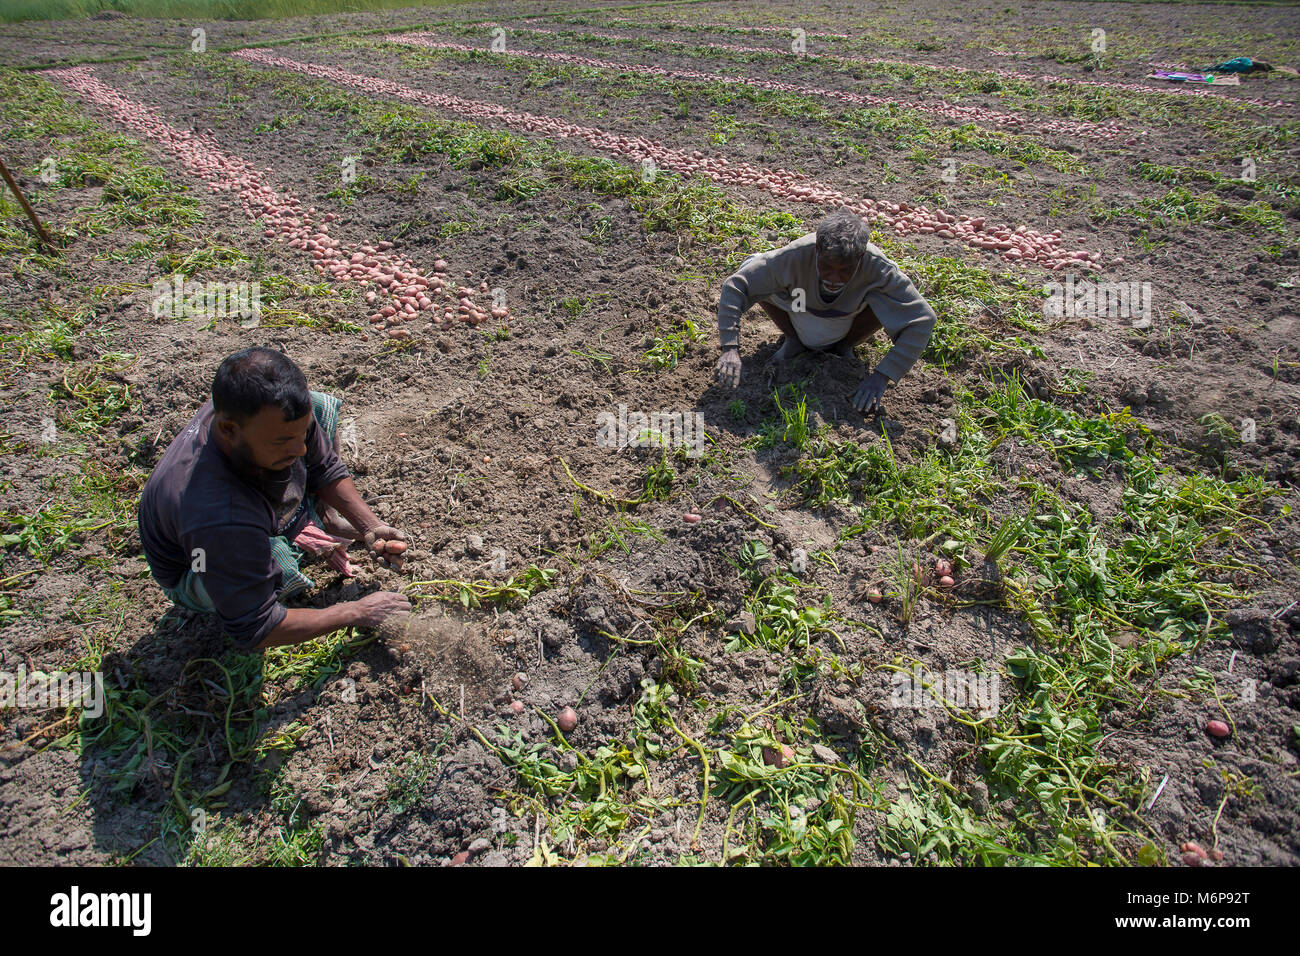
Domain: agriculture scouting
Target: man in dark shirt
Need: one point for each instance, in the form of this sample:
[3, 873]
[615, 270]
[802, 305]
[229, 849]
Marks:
[239, 482]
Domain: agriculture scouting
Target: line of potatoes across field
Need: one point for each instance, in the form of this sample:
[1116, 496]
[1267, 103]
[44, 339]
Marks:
[1012, 143]
[401, 293]
[1020, 243]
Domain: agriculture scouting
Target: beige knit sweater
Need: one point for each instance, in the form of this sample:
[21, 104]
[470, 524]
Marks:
[776, 276]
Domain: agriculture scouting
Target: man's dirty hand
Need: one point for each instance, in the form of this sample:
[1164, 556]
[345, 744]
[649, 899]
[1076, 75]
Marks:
[373, 609]
[868, 397]
[386, 543]
[729, 368]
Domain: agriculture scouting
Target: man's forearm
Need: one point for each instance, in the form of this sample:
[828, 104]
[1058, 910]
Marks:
[732, 304]
[908, 347]
[728, 336]
[897, 363]
[303, 623]
[343, 496]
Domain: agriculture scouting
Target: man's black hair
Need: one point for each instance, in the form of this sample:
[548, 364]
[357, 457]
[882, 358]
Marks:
[253, 378]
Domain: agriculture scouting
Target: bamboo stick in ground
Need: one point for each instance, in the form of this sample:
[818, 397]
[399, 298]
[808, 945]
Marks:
[27, 208]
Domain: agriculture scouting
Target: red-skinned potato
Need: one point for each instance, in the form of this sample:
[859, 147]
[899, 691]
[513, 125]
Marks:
[567, 719]
[1217, 728]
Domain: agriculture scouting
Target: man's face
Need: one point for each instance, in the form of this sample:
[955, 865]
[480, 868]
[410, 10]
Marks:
[266, 440]
[834, 274]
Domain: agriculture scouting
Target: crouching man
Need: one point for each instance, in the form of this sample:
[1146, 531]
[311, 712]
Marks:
[829, 291]
[253, 471]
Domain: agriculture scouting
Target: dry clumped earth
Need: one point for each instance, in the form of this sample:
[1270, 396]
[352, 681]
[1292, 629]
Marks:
[470, 465]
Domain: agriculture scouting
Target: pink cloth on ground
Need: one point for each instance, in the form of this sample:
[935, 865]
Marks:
[318, 542]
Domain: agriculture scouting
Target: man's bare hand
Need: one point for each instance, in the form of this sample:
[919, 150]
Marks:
[729, 367]
[374, 609]
[386, 543]
[869, 394]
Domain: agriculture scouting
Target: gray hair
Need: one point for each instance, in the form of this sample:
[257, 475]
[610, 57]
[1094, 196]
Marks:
[842, 236]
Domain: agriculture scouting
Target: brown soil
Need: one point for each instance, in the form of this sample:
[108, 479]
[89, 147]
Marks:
[450, 455]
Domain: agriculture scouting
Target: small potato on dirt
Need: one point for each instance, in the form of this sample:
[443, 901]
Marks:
[942, 566]
[460, 858]
[691, 518]
[1217, 728]
[517, 706]
[874, 595]
[567, 720]
[520, 681]
[1191, 859]
[946, 581]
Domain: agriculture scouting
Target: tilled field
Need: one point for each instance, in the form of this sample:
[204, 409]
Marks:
[488, 253]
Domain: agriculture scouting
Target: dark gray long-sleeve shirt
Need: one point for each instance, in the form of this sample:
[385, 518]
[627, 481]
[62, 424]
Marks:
[775, 277]
[197, 503]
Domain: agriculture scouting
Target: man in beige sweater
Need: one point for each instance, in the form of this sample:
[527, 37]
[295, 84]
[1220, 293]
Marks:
[829, 291]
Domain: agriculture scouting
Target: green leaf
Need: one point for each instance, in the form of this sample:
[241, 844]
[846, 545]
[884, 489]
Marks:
[1148, 855]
